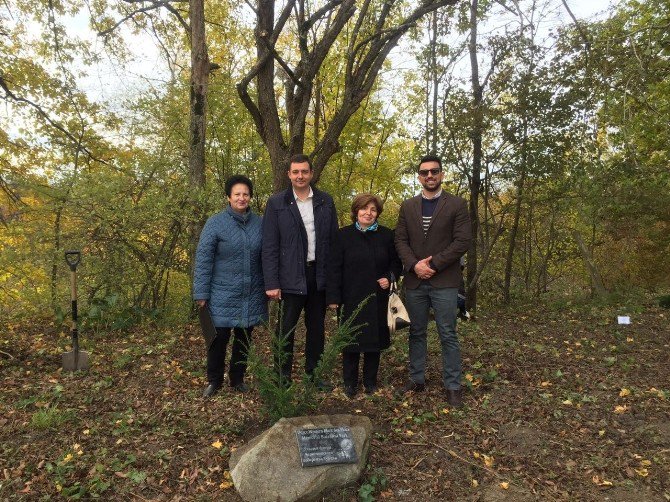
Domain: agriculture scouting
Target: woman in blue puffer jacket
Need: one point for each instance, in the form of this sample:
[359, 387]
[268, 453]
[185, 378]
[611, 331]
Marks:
[228, 278]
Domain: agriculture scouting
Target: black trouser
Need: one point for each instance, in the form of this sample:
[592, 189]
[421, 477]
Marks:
[314, 304]
[350, 362]
[216, 355]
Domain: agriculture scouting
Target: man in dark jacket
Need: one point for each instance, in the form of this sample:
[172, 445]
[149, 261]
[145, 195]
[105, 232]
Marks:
[298, 227]
[432, 234]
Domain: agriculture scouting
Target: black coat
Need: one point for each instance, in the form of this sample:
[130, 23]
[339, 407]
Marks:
[285, 241]
[357, 260]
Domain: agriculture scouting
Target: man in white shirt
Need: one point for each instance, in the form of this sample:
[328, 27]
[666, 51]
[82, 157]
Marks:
[298, 228]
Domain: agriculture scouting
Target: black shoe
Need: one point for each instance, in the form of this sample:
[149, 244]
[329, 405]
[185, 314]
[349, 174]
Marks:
[455, 398]
[240, 387]
[371, 389]
[210, 390]
[349, 391]
[412, 386]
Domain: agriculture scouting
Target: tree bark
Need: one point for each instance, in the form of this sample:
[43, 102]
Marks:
[365, 55]
[596, 279]
[197, 133]
[475, 182]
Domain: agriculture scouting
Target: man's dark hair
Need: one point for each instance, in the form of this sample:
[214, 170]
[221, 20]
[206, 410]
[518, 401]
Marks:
[431, 158]
[236, 179]
[299, 158]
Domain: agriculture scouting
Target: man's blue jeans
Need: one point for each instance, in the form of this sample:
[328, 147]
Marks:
[443, 301]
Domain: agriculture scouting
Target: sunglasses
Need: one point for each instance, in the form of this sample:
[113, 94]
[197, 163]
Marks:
[424, 172]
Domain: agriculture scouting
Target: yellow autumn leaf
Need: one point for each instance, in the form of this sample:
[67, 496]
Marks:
[545, 384]
[445, 411]
[645, 463]
[567, 402]
[629, 339]
[469, 377]
[601, 432]
[642, 472]
[217, 444]
[475, 454]
[620, 409]
[504, 485]
[601, 482]
[409, 433]
[624, 393]
[225, 485]
[474, 483]
[67, 458]
[488, 461]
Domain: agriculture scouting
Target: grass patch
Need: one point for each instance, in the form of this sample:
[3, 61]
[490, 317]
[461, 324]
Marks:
[50, 418]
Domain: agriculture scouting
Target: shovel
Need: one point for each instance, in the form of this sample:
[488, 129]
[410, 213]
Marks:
[75, 359]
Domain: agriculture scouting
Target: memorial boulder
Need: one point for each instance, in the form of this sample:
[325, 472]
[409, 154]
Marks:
[302, 458]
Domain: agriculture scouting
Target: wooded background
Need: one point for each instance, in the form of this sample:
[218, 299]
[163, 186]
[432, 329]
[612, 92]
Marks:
[557, 134]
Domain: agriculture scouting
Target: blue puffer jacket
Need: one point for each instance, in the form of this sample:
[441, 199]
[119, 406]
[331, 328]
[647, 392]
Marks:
[228, 272]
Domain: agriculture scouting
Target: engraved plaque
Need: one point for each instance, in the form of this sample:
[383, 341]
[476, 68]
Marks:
[329, 445]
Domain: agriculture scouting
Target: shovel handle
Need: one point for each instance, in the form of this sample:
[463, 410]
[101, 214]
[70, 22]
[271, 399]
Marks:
[72, 258]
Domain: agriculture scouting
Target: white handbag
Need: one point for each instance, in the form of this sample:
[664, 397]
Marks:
[397, 316]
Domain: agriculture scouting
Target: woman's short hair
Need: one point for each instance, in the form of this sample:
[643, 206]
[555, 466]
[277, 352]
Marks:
[362, 200]
[235, 179]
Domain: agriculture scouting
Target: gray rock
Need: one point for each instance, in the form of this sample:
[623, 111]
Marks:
[268, 469]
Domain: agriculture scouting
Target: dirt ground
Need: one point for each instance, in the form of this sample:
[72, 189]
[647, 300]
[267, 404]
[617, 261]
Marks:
[562, 403]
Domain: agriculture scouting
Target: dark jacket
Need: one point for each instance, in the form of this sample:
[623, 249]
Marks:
[285, 241]
[358, 259]
[228, 270]
[447, 239]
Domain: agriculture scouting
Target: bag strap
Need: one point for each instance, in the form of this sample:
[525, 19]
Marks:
[392, 285]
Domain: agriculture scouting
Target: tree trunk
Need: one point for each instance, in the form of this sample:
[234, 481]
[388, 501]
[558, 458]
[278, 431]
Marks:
[365, 55]
[198, 101]
[475, 182]
[435, 84]
[596, 279]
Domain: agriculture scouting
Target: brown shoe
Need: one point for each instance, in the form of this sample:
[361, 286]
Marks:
[412, 386]
[455, 398]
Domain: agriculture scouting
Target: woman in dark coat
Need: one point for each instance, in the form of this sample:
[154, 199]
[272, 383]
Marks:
[363, 262]
[228, 279]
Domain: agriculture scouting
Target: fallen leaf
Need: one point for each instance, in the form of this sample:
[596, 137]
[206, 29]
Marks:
[488, 461]
[217, 444]
[504, 485]
[624, 393]
[601, 482]
[474, 483]
[620, 409]
[642, 472]
[567, 402]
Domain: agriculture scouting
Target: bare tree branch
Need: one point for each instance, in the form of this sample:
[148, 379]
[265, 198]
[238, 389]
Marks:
[18, 99]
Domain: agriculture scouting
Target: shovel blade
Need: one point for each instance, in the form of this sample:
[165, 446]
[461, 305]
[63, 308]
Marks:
[73, 361]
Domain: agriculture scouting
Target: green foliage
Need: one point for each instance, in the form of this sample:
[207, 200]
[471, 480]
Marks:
[377, 481]
[50, 418]
[281, 398]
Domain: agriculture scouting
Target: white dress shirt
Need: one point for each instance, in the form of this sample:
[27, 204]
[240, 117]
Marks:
[306, 209]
